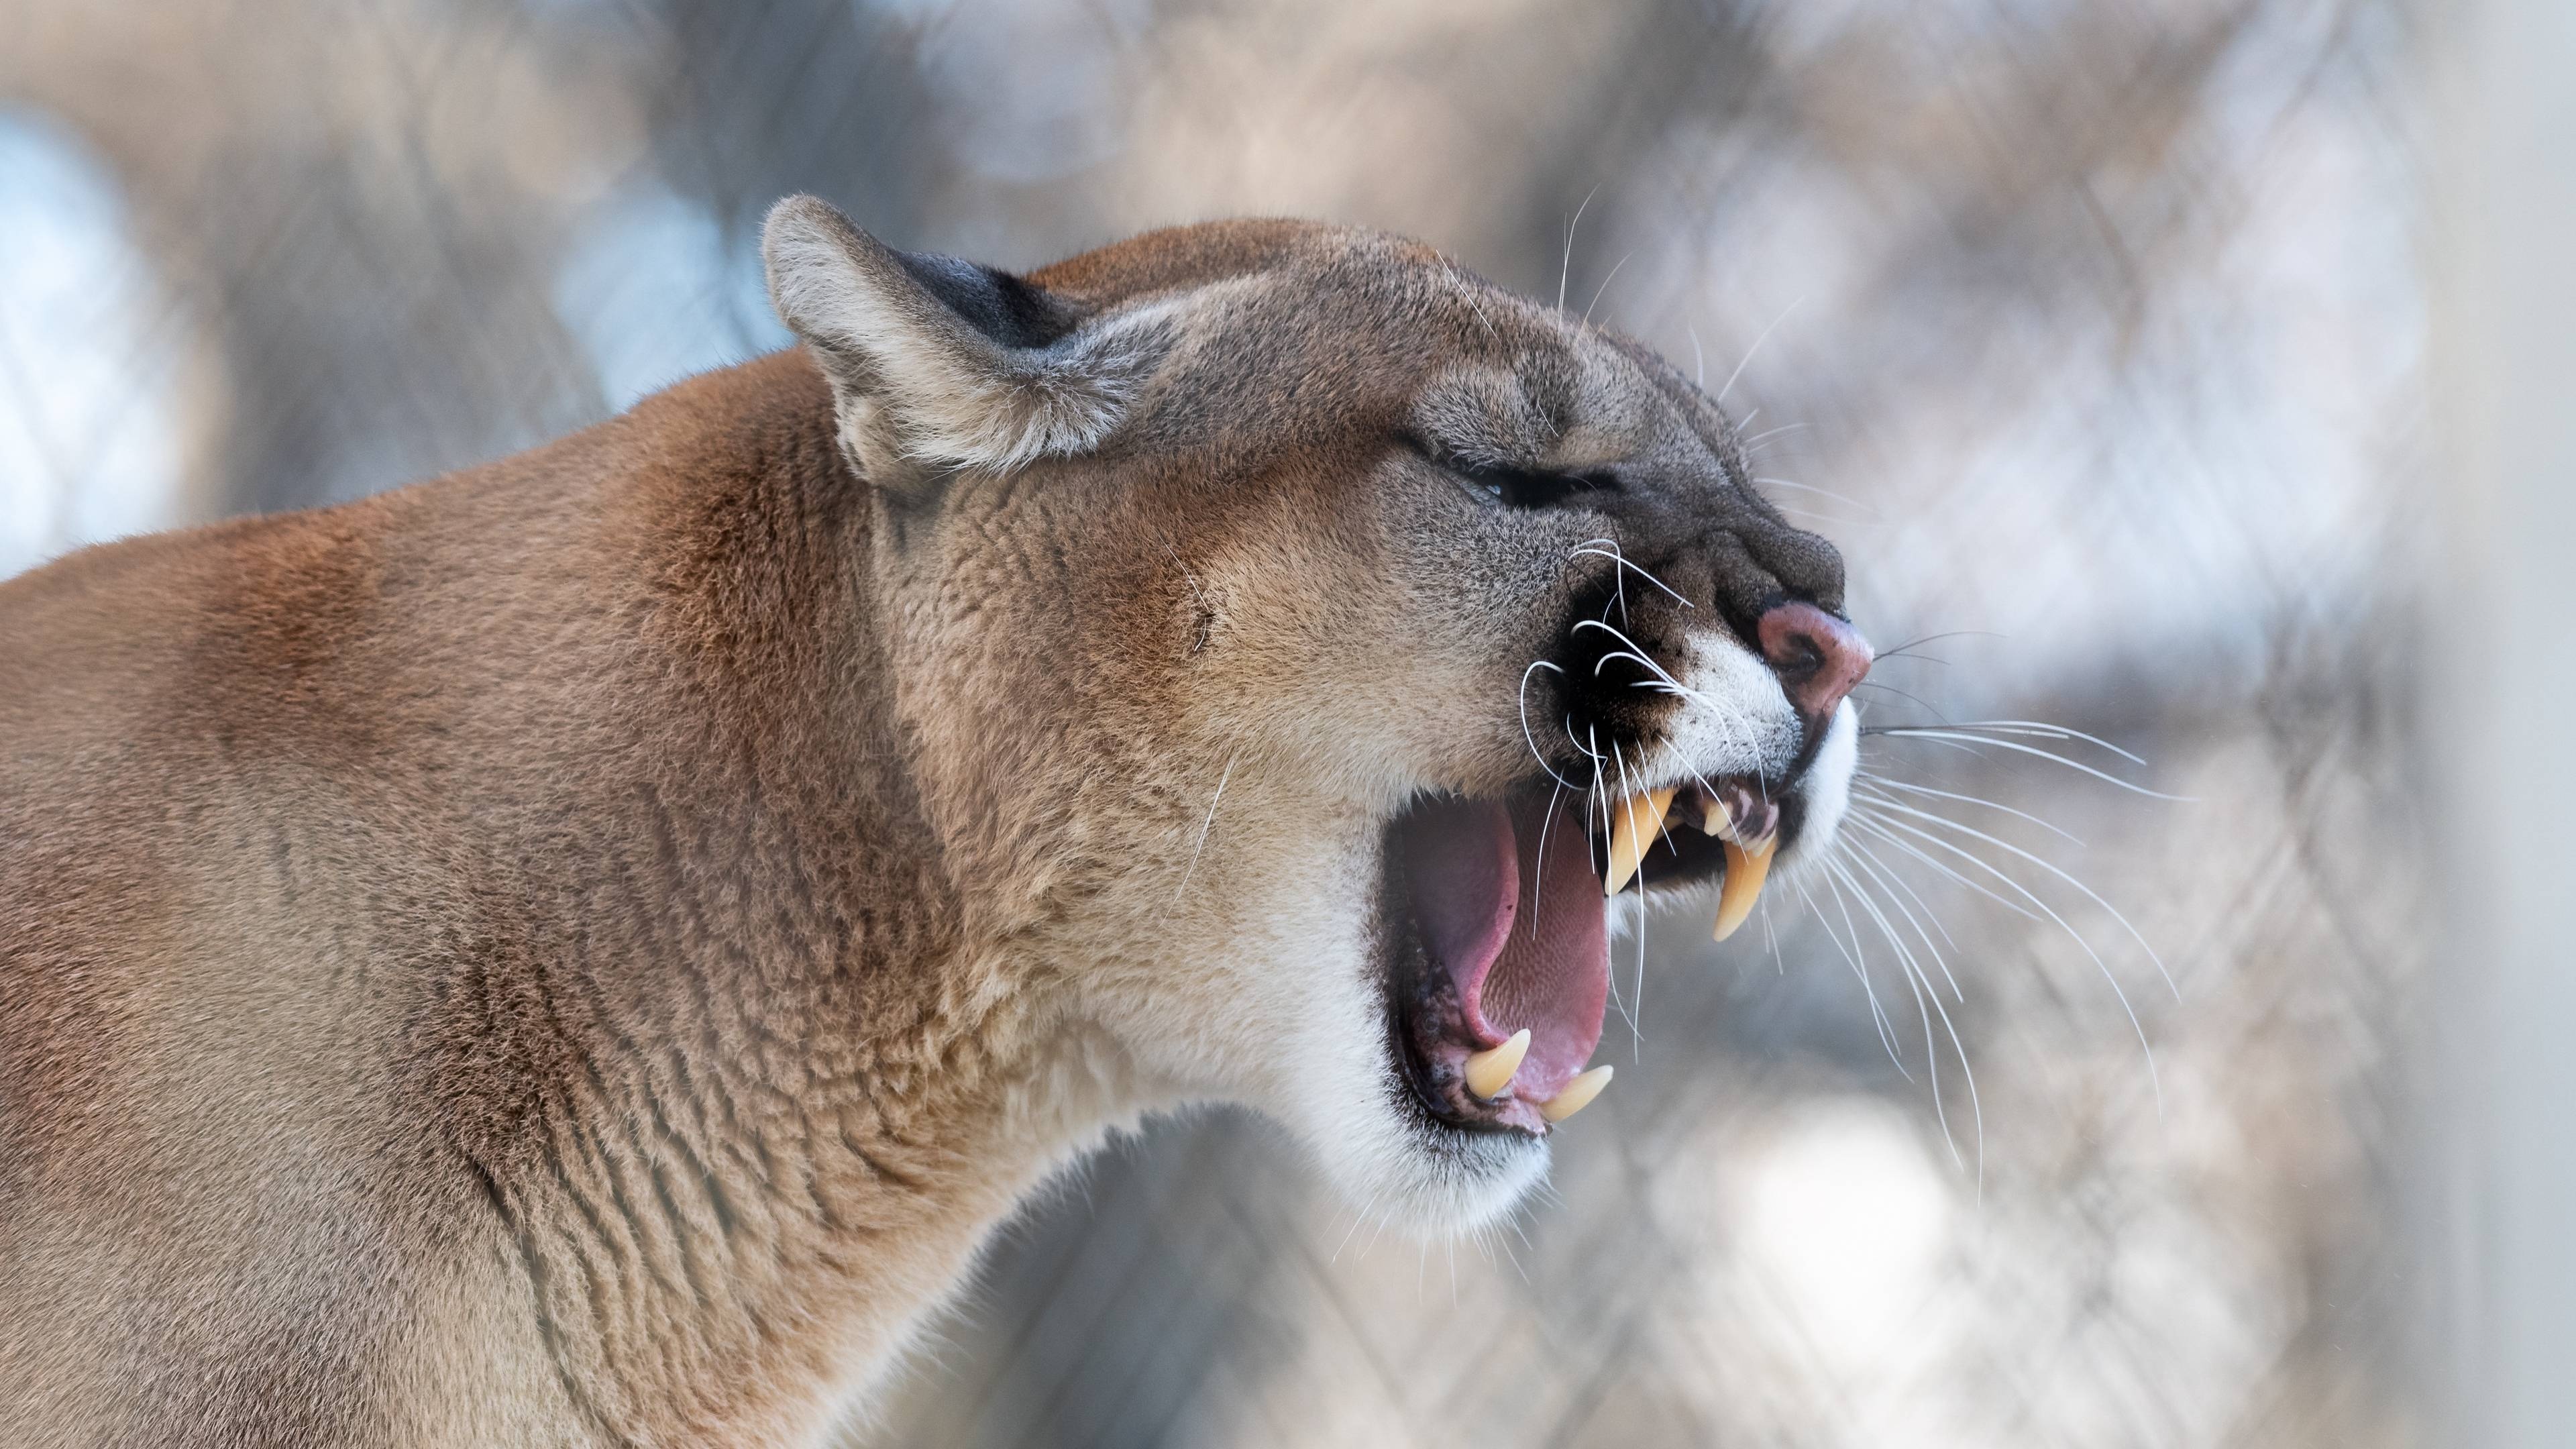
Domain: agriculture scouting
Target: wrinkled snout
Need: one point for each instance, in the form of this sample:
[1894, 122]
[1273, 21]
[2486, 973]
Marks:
[1817, 656]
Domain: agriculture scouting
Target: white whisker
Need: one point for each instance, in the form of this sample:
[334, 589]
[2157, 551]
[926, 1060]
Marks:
[1915, 982]
[1593, 546]
[1604, 287]
[2153, 1081]
[1469, 292]
[1864, 820]
[1879, 873]
[2088, 892]
[1912, 789]
[1958, 1048]
[1748, 354]
[1526, 736]
[1922, 732]
[1827, 492]
[1565, 266]
[1856, 956]
[1899, 882]
[2045, 730]
[1628, 803]
[1538, 875]
[1204, 825]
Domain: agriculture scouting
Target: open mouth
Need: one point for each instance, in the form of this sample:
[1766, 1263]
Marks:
[1499, 994]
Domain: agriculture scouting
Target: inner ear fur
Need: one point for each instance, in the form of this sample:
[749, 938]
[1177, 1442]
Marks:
[937, 363]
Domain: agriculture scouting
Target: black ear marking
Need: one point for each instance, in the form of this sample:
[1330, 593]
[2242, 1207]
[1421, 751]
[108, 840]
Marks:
[937, 363]
[996, 303]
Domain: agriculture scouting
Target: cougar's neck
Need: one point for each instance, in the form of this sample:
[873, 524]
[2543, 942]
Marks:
[756, 1089]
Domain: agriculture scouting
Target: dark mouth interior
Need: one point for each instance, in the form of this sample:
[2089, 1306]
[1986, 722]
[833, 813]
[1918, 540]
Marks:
[1496, 910]
[1506, 932]
[1679, 857]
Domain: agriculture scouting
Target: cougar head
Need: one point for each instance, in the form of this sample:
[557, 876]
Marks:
[1306, 649]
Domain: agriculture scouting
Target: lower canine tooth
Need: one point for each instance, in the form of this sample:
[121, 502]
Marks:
[1577, 1095]
[1634, 824]
[1490, 1070]
[1745, 868]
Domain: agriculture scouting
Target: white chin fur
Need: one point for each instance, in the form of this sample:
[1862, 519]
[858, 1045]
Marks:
[1426, 1181]
[1324, 1067]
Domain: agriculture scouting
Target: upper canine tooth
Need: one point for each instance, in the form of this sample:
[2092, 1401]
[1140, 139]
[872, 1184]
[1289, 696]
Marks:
[1745, 868]
[1634, 823]
[1490, 1070]
[1576, 1095]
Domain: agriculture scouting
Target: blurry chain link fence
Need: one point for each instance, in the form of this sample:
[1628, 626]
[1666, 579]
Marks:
[2091, 331]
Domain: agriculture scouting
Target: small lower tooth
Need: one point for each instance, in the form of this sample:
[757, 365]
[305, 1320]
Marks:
[1713, 821]
[1576, 1095]
[1490, 1070]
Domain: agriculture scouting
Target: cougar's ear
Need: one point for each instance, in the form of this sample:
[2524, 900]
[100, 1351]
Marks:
[937, 363]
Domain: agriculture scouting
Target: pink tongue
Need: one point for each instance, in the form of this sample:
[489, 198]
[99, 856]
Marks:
[1522, 939]
[1555, 979]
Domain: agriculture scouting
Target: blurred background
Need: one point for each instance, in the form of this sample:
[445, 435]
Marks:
[2098, 336]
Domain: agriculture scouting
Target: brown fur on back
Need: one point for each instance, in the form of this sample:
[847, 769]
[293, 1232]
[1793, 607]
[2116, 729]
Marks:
[521, 815]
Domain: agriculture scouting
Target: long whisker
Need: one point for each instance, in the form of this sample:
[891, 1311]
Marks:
[1771, 433]
[1915, 981]
[1628, 803]
[1469, 293]
[1889, 872]
[1871, 868]
[1863, 820]
[1604, 287]
[1810, 513]
[1827, 492]
[1565, 266]
[1921, 732]
[1765, 336]
[1638, 653]
[1877, 1014]
[2154, 1082]
[1531, 739]
[1905, 650]
[1916, 699]
[1204, 826]
[1883, 782]
[2088, 892]
[1538, 874]
[1592, 546]
[2044, 730]
[1958, 1048]
[1887, 1028]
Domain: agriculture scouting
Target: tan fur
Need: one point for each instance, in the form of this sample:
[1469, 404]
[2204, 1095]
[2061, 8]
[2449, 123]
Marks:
[580, 951]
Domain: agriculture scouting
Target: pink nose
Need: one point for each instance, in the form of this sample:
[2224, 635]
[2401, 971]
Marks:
[1817, 656]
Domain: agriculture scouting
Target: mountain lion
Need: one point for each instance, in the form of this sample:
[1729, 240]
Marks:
[582, 951]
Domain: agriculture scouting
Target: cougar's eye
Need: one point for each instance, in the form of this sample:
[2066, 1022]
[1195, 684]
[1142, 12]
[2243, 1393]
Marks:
[1524, 488]
[1516, 487]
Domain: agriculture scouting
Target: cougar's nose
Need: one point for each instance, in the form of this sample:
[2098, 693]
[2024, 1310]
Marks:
[1817, 656]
